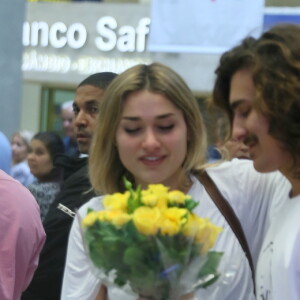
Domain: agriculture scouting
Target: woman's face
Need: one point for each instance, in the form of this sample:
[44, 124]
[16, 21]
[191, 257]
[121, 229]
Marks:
[267, 152]
[39, 159]
[152, 139]
[19, 149]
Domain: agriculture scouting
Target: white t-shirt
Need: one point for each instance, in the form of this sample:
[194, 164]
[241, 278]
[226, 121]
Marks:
[278, 268]
[254, 197]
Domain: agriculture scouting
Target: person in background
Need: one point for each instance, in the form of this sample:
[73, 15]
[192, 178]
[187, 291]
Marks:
[226, 145]
[67, 117]
[273, 135]
[44, 146]
[20, 143]
[151, 131]
[229, 145]
[75, 191]
[5, 153]
[235, 149]
[21, 237]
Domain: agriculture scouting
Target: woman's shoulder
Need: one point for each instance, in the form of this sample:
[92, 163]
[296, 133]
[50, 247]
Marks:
[94, 203]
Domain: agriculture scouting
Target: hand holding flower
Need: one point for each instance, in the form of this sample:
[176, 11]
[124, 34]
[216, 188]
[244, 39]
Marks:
[151, 240]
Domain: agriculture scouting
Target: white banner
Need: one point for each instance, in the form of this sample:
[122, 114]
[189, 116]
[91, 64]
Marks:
[203, 26]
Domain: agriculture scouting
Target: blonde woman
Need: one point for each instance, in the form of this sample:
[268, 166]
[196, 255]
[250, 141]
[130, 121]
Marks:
[151, 131]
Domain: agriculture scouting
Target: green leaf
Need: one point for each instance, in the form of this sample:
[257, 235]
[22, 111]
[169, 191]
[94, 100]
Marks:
[120, 281]
[133, 256]
[210, 268]
[127, 184]
[190, 204]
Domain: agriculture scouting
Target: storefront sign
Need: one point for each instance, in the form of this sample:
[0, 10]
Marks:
[110, 36]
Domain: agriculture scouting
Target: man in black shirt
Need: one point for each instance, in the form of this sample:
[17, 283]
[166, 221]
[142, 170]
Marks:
[75, 191]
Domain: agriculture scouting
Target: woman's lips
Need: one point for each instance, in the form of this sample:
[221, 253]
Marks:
[152, 160]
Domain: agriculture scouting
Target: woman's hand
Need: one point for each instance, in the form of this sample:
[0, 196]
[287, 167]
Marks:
[102, 295]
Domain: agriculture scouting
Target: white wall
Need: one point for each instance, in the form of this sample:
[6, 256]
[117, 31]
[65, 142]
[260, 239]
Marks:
[31, 106]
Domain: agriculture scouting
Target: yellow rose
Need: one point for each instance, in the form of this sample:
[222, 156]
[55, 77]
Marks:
[191, 226]
[155, 195]
[117, 217]
[162, 202]
[204, 232]
[177, 197]
[90, 219]
[149, 199]
[146, 220]
[116, 201]
[169, 227]
[101, 215]
[157, 189]
[214, 232]
[172, 220]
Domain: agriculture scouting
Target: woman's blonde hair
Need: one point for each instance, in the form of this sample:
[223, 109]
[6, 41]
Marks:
[26, 137]
[106, 169]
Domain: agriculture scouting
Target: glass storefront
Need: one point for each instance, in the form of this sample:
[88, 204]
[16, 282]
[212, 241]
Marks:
[52, 99]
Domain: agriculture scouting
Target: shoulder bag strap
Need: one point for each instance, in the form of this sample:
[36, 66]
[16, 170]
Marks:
[228, 214]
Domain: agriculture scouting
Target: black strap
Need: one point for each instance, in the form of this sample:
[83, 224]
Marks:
[228, 214]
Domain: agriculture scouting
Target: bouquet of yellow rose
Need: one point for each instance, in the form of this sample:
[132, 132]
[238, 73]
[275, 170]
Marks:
[151, 240]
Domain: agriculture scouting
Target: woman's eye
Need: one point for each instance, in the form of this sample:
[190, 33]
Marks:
[166, 128]
[93, 109]
[132, 130]
[245, 113]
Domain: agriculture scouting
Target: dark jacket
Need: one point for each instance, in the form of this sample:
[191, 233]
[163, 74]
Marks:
[75, 191]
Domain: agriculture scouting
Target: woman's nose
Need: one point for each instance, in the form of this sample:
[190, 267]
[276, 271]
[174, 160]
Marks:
[150, 140]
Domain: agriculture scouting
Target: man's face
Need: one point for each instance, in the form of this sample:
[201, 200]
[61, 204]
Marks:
[241, 96]
[86, 108]
[67, 117]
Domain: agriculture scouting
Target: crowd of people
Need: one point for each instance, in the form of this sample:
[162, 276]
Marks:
[145, 124]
